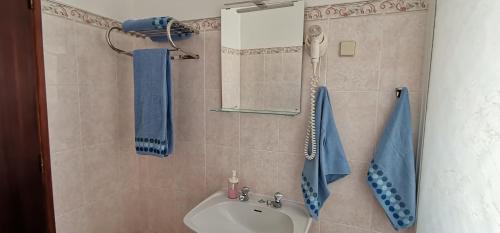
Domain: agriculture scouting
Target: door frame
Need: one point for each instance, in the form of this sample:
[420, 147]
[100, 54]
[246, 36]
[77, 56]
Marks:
[43, 118]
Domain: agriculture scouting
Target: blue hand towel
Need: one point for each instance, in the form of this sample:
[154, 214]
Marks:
[154, 133]
[329, 164]
[150, 27]
[391, 174]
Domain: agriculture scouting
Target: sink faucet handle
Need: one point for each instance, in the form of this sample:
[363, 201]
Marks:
[245, 190]
[244, 194]
[277, 197]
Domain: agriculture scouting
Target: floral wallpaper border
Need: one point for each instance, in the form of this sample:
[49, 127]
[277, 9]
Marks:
[333, 11]
[274, 50]
[208, 24]
[362, 8]
[72, 13]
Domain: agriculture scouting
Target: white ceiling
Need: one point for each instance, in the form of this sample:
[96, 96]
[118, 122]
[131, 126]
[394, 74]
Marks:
[179, 9]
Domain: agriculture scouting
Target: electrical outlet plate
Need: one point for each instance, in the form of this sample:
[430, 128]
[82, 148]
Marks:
[347, 48]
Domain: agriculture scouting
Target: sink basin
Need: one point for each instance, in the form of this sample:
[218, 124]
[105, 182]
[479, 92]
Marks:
[218, 214]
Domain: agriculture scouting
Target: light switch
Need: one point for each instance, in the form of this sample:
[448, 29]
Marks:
[347, 48]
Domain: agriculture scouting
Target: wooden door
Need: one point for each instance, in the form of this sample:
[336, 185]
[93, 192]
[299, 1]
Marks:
[25, 187]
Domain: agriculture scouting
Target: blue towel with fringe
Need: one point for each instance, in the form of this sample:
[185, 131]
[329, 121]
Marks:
[391, 174]
[151, 26]
[154, 132]
[329, 164]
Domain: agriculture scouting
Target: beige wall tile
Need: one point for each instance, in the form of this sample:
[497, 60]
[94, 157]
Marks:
[75, 221]
[253, 67]
[97, 62]
[231, 82]
[156, 172]
[274, 69]
[329, 227]
[213, 60]
[292, 133]
[68, 181]
[361, 72]
[281, 96]
[253, 95]
[222, 128]
[258, 131]
[60, 68]
[351, 200]
[348, 209]
[402, 51]
[289, 168]
[355, 183]
[189, 115]
[188, 90]
[133, 218]
[252, 81]
[108, 215]
[102, 165]
[258, 171]
[355, 116]
[58, 35]
[159, 217]
[188, 167]
[292, 67]
[99, 113]
[126, 121]
[63, 117]
[221, 160]
[125, 71]
[191, 72]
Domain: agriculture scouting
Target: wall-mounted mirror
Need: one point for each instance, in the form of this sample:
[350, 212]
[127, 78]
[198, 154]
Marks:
[262, 57]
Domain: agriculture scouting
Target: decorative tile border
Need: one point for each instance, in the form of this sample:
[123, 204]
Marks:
[275, 50]
[230, 51]
[369, 7]
[362, 8]
[72, 13]
[208, 24]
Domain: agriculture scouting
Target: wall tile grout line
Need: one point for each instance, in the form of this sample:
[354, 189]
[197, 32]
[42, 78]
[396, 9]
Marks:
[205, 109]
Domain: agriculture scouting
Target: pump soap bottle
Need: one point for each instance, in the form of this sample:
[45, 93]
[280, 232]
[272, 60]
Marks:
[232, 187]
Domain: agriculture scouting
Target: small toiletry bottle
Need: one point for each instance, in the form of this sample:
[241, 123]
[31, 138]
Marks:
[232, 186]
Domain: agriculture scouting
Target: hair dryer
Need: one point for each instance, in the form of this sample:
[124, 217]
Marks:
[317, 42]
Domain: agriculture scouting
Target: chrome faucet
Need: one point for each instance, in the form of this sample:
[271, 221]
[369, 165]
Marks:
[277, 200]
[244, 194]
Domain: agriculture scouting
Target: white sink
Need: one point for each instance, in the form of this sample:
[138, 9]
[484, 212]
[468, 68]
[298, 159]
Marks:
[218, 214]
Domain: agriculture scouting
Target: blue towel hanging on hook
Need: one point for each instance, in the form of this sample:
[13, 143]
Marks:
[330, 163]
[391, 174]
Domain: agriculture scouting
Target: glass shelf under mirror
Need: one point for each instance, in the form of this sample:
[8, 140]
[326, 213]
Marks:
[281, 113]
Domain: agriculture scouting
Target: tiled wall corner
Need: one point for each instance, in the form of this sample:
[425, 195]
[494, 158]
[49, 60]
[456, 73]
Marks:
[95, 178]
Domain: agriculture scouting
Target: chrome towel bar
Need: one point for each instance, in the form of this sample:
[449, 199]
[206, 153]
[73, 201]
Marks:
[172, 24]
